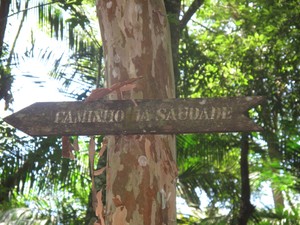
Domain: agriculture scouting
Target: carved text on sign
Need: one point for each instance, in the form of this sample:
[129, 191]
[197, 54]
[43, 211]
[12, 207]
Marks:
[185, 113]
[152, 116]
[96, 116]
[144, 115]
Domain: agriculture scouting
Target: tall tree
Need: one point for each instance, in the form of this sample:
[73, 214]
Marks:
[5, 76]
[141, 169]
[232, 48]
[4, 9]
[252, 48]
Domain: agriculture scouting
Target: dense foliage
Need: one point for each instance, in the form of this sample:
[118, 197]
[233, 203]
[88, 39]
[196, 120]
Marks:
[220, 48]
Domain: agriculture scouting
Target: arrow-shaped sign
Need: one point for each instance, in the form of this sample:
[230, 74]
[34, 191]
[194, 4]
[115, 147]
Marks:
[166, 116]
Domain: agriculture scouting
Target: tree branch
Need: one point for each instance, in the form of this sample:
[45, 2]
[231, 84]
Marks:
[189, 13]
[29, 8]
[12, 51]
[205, 27]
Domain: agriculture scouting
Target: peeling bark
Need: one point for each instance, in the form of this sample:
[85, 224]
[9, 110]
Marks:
[141, 170]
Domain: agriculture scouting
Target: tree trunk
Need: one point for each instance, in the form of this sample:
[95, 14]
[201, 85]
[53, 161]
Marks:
[246, 208]
[173, 11]
[275, 155]
[141, 169]
[270, 135]
[4, 9]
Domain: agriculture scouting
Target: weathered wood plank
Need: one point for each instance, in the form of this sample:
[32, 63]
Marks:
[166, 116]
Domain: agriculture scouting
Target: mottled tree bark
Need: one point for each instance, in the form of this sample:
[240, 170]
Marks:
[141, 169]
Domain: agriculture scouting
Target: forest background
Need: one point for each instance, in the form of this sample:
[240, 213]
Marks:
[220, 49]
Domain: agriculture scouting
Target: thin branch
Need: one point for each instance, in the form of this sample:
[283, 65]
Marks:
[205, 27]
[17, 35]
[26, 9]
[89, 33]
[189, 13]
[99, 74]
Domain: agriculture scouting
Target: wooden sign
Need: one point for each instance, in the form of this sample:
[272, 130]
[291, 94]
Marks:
[121, 117]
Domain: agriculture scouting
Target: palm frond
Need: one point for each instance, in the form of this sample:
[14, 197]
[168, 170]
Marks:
[209, 164]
